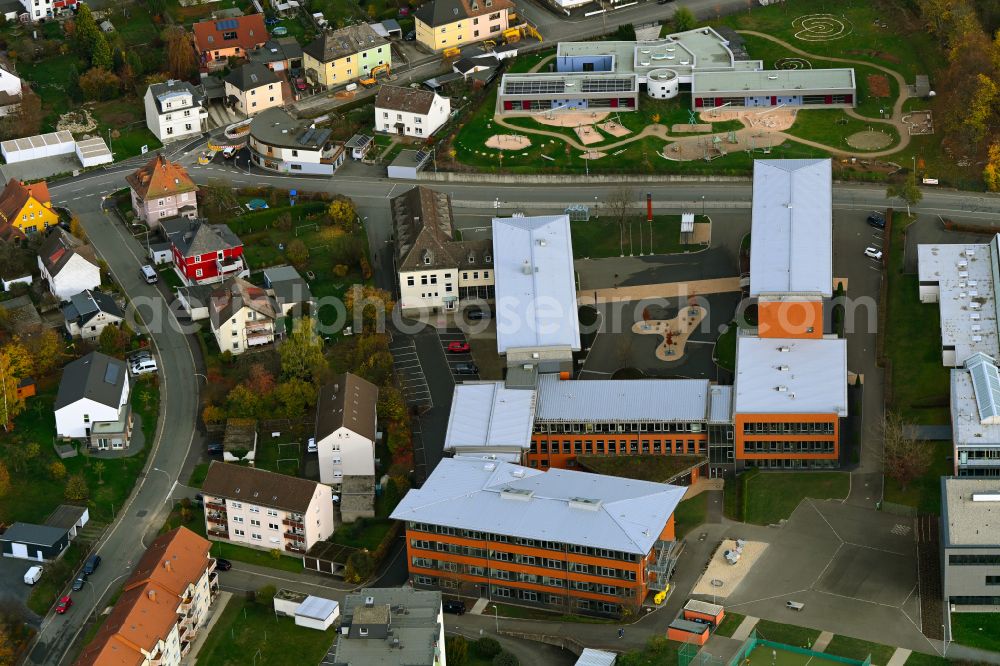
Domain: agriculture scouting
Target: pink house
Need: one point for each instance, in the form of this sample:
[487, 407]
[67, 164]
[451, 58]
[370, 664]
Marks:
[162, 189]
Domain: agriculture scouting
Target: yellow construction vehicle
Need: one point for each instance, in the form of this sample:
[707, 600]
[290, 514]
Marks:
[489, 45]
[512, 35]
[373, 75]
[449, 54]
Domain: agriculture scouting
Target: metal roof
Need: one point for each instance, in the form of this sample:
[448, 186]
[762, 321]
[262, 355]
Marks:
[699, 606]
[592, 657]
[720, 404]
[556, 505]
[791, 376]
[594, 400]
[985, 384]
[535, 285]
[777, 81]
[317, 608]
[490, 415]
[37, 535]
[791, 249]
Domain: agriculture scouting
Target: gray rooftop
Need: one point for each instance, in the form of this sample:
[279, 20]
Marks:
[791, 376]
[413, 617]
[66, 516]
[88, 304]
[603, 400]
[557, 505]
[970, 511]
[720, 404]
[276, 127]
[251, 75]
[176, 90]
[96, 377]
[787, 81]
[969, 429]
[489, 415]
[38, 535]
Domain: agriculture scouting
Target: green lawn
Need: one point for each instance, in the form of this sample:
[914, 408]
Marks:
[658, 652]
[601, 238]
[920, 384]
[138, 29]
[50, 79]
[979, 630]
[369, 532]
[54, 579]
[921, 659]
[657, 468]
[249, 633]
[855, 648]
[195, 519]
[925, 492]
[832, 127]
[198, 475]
[689, 514]
[725, 348]
[788, 634]
[729, 624]
[525, 63]
[262, 558]
[770, 497]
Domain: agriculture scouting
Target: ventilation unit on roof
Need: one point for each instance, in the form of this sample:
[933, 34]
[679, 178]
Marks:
[585, 503]
[518, 473]
[976, 327]
[542, 242]
[519, 494]
[963, 264]
[489, 467]
[784, 349]
[369, 602]
[986, 497]
[970, 251]
[977, 338]
[781, 389]
[974, 316]
[526, 267]
[782, 368]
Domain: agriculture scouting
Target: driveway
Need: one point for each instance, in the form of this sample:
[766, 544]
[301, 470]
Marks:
[13, 591]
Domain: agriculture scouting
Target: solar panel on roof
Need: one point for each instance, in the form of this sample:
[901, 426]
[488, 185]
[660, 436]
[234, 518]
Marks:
[307, 136]
[228, 24]
[111, 374]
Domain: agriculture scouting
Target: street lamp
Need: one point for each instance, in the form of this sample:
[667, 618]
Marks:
[496, 615]
[703, 205]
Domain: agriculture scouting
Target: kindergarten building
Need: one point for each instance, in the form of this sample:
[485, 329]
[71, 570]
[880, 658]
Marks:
[609, 76]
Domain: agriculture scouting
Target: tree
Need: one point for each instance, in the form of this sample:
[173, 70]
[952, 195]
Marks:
[243, 403]
[506, 659]
[906, 190]
[991, 172]
[903, 459]
[85, 32]
[110, 341]
[486, 647]
[182, 62]
[57, 470]
[342, 212]
[368, 307]
[391, 406]
[265, 595]
[260, 380]
[76, 488]
[7, 645]
[297, 253]
[619, 207]
[15, 365]
[982, 110]
[46, 351]
[217, 196]
[102, 58]
[360, 567]
[457, 649]
[302, 353]
[99, 84]
[99, 468]
[26, 121]
[294, 397]
[4, 479]
[377, 368]
[157, 7]
[684, 20]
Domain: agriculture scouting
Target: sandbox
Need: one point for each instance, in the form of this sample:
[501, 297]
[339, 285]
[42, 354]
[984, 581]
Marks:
[588, 135]
[675, 332]
[508, 142]
[614, 129]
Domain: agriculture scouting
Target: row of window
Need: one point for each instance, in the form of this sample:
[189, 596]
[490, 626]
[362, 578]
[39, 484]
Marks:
[256, 523]
[253, 509]
[973, 560]
[799, 428]
[622, 446]
[520, 558]
[975, 601]
[767, 446]
[791, 463]
[256, 536]
[575, 549]
[529, 595]
[632, 427]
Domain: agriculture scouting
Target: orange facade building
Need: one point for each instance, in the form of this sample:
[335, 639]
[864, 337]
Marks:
[563, 540]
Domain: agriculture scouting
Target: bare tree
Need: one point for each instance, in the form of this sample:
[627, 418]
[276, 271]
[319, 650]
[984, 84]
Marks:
[619, 206]
[903, 458]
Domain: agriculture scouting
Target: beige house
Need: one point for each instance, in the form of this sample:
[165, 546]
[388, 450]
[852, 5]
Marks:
[339, 57]
[252, 88]
[242, 316]
[265, 510]
[444, 24]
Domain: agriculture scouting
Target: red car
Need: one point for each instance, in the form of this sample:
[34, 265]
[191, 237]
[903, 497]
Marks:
[64, 605]
[300, 84]
[458, 347]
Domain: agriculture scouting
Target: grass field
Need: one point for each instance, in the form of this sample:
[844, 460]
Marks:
[689, 514]
[729, 624]
[925, 492]
[657, 468]
[789, 634]
[832, 127]
[601, 238]
[766, 655]
[770, 497]
[231, 551]
[979, 630]
[855, 648]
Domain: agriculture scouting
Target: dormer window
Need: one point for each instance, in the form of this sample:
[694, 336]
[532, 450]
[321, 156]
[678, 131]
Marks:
[363, 631]
[427, 258]
[487, 258]
[472, 258]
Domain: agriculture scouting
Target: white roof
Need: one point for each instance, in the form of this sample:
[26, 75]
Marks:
[720, 401]
[556, 505]
[971, 511]
[317, 608]
[535, 285]
[699, 606]
[792, 228]
[791, 376]
[91, 148]
[966, 277]
[488, 415]
[970, 428]
[592, 657]
[595, 400]
[37, 141]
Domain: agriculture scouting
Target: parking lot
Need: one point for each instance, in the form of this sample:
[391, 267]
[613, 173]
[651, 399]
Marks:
[411, 374]
[13, 591]
[453, 340]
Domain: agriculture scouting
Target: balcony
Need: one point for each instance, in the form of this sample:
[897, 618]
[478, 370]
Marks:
[295, 536]
[294, 549]
[222, 534]
[294, 524]
[215, 506]
[217, 518]
[229, 266]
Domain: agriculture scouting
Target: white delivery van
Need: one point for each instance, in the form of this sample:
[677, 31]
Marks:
[32, 575]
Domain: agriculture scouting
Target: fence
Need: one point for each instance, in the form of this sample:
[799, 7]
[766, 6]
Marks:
[754, 641]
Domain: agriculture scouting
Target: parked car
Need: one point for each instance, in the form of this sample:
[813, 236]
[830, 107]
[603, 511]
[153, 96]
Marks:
[229, 152]
[477, 315]
[873, 253]
[64, 605]
[32, 575]
[205, 157]
[454, 607]
[300, 84]
[223, 565]
[139, 355]
[876, 220]
[458, 347]
[311, 446]
[410, 36]
[143, 366]
[466, 369]
[215, 449]
[78, 583]
[90, 567]
[149, 274]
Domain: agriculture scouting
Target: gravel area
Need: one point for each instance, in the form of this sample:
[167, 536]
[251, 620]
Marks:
[730, 575]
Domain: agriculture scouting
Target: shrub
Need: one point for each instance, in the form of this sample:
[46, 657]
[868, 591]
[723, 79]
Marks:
[457, 649]
[340, 270]
[265, 595]
[76, 488]
[360, 567]
[505, 659]
[486, 647]
[57, 470]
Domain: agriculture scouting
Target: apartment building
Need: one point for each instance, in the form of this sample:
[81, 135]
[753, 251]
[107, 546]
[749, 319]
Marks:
[445, 24]
[970, 544]
[790, 395]
[594, 544]
[791, 259]
[162, 608]
[337, 57]
[265, 510]
[175, 110]
[345, 441]
[241, 316]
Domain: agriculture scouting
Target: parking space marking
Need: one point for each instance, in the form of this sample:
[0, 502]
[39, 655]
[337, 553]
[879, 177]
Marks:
[411, 374]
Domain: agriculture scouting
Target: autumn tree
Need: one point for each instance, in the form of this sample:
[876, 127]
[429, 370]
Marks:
[302, 353]
[293, 397]
[342, 212]
[8, 643]
[368, 307]
[57, 470]
[903, 459]
[76, 488]
[15, 365]
[26, 120]
[619, 206]
[217, 196]
[260, 380]
[991, 172]
[297, 253]
[181, 60]
[99, 84]
[4, 479]
[110, 341]
[907, 191]
[243, 403]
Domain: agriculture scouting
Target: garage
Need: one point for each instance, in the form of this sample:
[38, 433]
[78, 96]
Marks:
[38, 543]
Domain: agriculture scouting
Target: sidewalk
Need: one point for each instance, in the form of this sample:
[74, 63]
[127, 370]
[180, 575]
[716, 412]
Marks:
[220, 605]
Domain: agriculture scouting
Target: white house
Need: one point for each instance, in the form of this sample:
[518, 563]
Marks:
[68, 264]
[280, 143]
[410, 111]
[10, 92]
[88, 313]
[93, 402]
[175, 110]
[241, 315]
[345, 439]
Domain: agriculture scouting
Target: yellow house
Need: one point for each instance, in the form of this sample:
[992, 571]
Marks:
[27, 208]
[444, 24]
[339, 57]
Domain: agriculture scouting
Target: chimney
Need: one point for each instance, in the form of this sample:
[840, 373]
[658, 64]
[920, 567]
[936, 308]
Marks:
[151, 593]
[166, 565]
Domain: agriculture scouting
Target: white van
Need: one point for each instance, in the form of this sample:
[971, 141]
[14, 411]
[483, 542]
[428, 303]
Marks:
[32, 575]
[794, 605]
[149, 274]
[142, 366]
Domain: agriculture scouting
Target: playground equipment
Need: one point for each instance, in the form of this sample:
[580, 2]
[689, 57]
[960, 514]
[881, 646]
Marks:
[373, 75]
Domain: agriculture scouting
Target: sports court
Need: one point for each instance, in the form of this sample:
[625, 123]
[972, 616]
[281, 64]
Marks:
[758, 651]
[773, 655]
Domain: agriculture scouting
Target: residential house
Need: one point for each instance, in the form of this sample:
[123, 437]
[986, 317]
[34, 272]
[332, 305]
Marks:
[27, 208]
[163, 606]
[261, 509]
[68, 264]
[280, 143]
[390, 626]
[241, 315]
[219, 40]
[11, 92]
[162, 189]
[558, 539]
[436, 272]
[291, 293]
[338, 57]
[970, 541]
[44, 542]
[40, 10]
[88, 313]
[93, 402]
[252, 88]
[283, 54]
[413, 112]
[444, 24]
[345, 439]
[175, 110]
[204, 253]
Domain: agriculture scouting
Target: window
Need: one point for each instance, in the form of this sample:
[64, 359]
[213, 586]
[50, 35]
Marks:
[272, 526]
[237, 519]
[255, 509]
[255, 536]
[239, 533]
[254, 522]
[417, 120]
[409, 281]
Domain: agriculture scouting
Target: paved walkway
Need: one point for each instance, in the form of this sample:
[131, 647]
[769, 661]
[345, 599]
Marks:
[822, 641]
[216, 612]
[480, 606]
[702, 485]
[746, 626]
[662, 290]
[899, 657]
